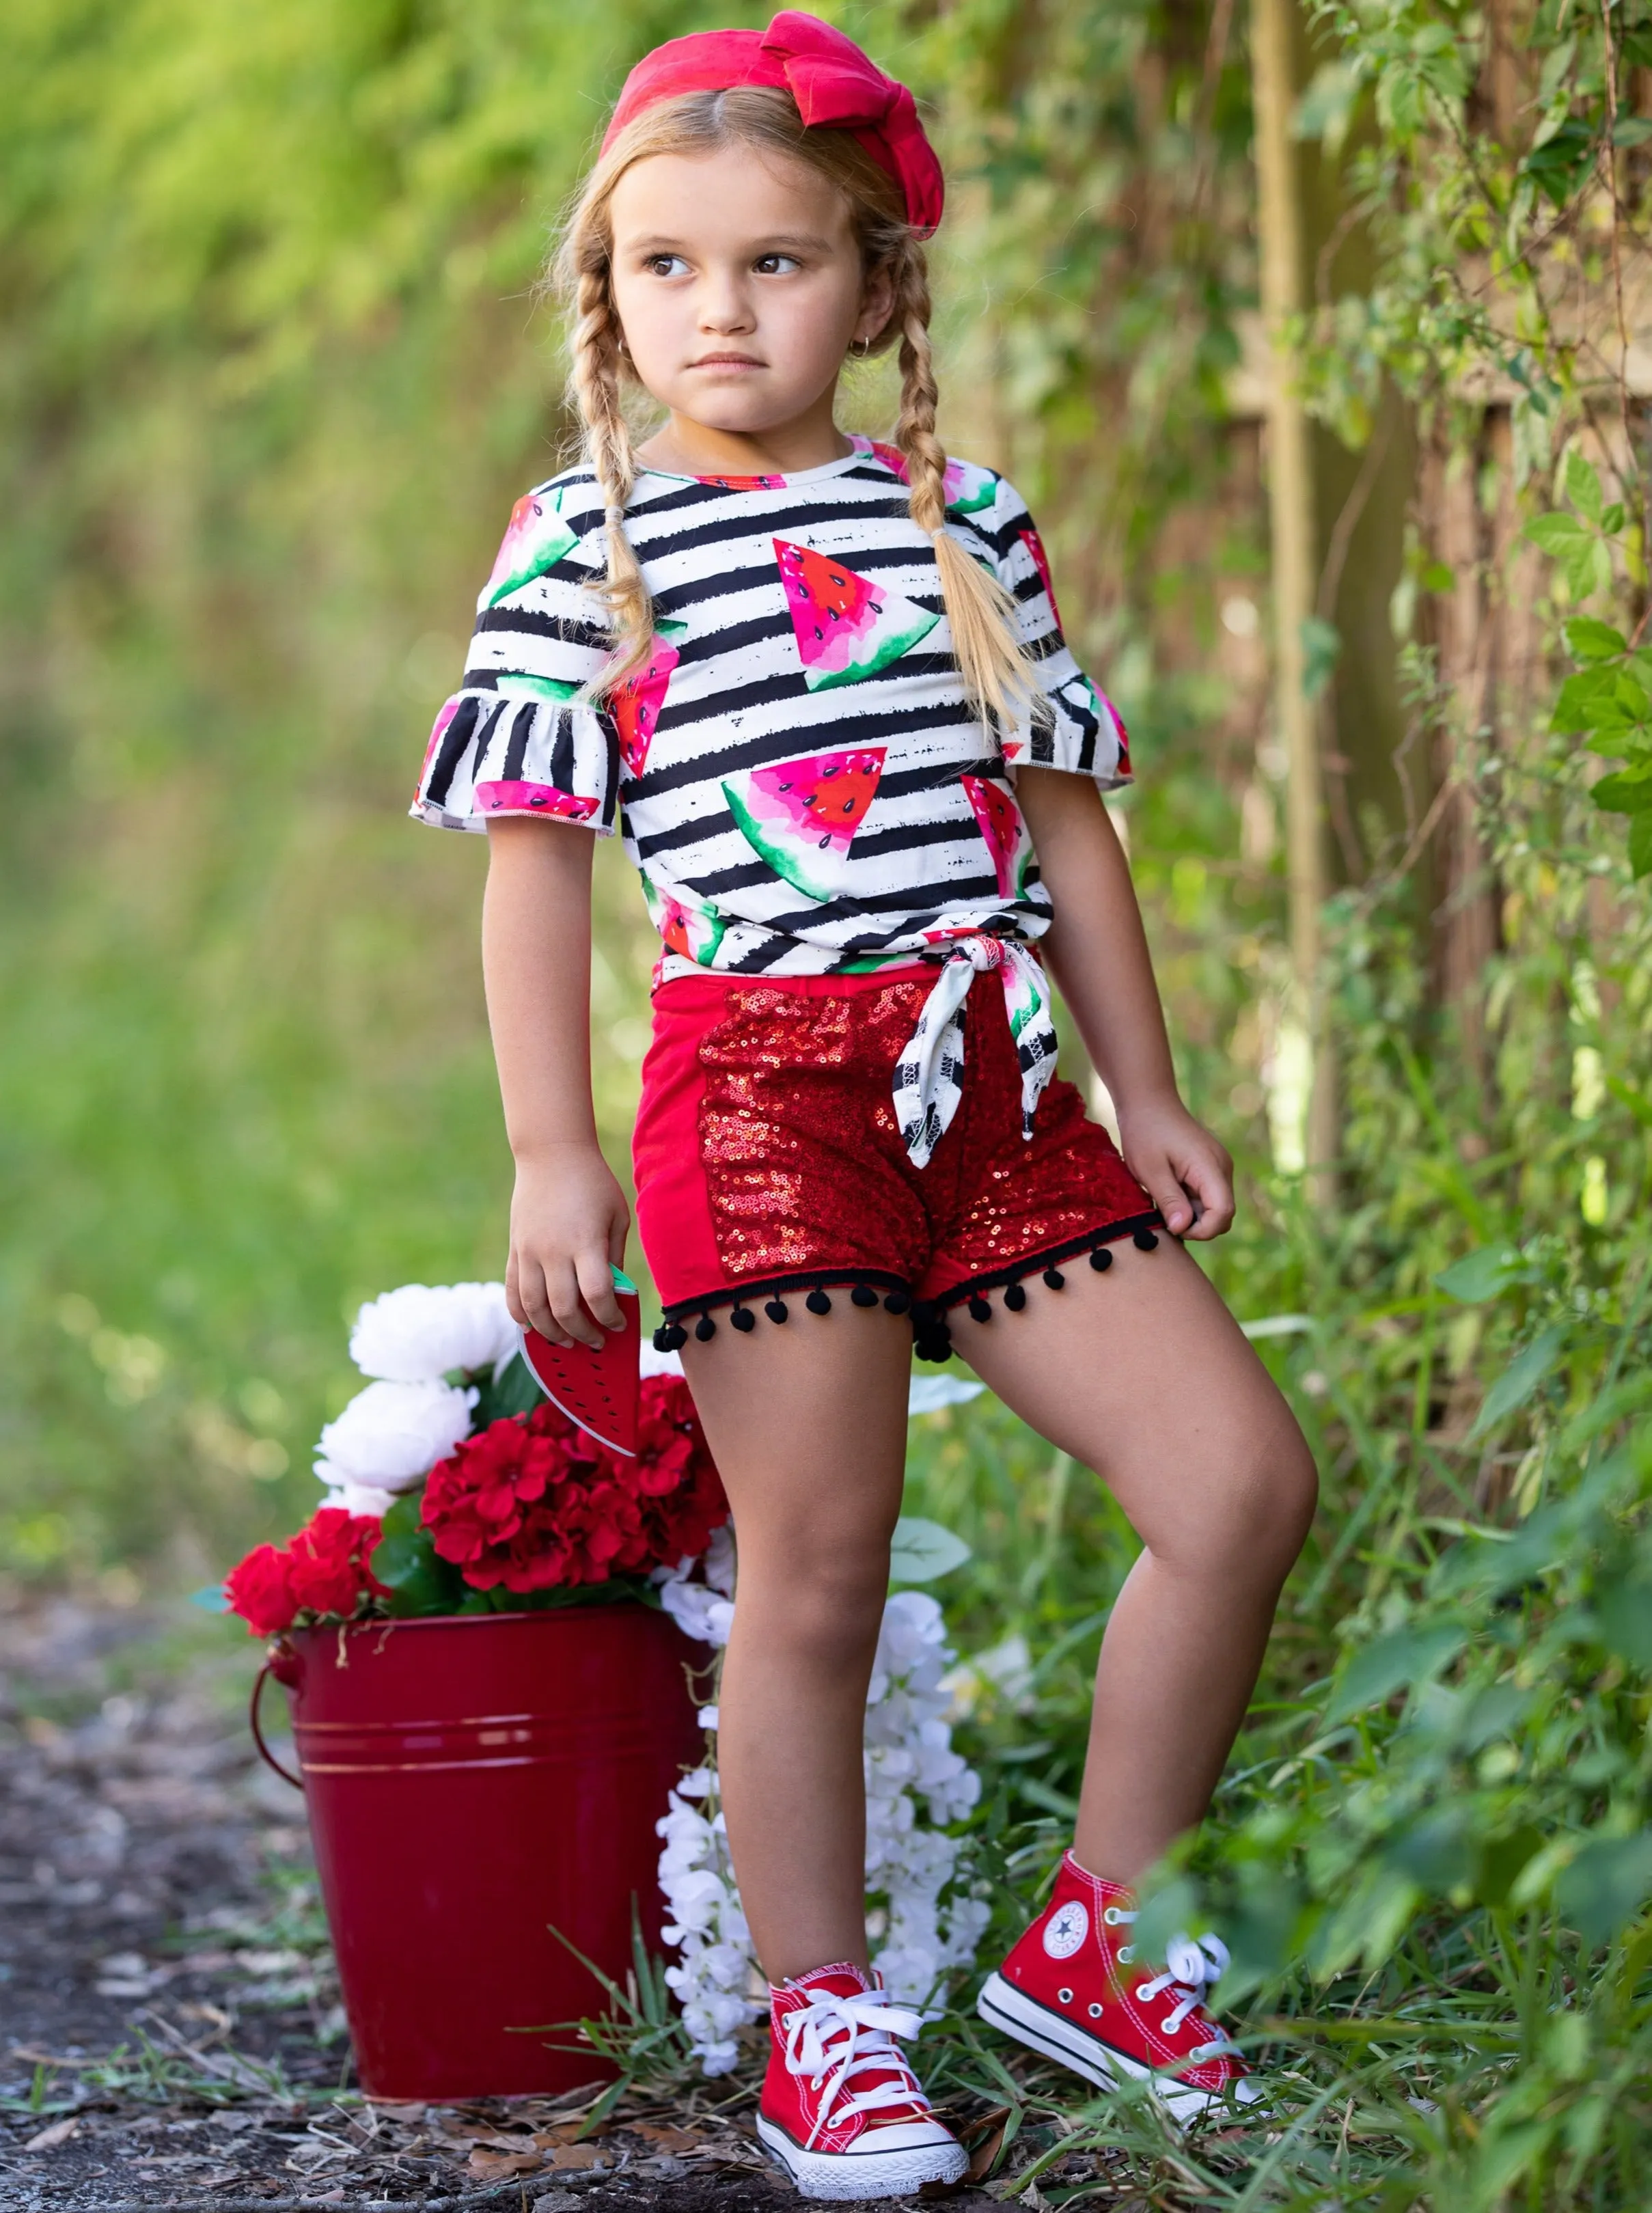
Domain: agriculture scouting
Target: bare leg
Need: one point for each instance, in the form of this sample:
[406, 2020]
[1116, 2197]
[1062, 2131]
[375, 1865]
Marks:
[1142, 1375]
[808, 1426]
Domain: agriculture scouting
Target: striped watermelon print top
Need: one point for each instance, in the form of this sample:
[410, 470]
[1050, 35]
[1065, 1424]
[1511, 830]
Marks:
[796, 773]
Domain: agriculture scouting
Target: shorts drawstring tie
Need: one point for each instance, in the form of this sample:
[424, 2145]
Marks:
[926, 1086]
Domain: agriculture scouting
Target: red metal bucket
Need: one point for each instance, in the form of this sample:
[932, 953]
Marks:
[473, 1783]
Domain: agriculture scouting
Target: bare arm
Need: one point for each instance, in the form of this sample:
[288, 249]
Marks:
[568, 1218]
[1096, 950]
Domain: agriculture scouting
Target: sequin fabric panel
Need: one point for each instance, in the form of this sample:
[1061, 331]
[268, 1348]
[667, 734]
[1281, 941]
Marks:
[804, 1166]
[801, 1156]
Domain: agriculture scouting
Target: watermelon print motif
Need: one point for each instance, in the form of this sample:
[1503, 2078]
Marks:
[968, 490]
[535, 541]
[1108, 713]
[846, 626]
[694, 931]
[1005, 831]
[802, 815]
[1034, 544]
[534, 799]
[514, 684]
[744, 484]
[636, 706]
[438, 731]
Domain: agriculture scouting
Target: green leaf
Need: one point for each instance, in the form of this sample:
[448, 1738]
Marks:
[1436, 577]
[1390, 1662]
[418, 1580]
[922, 1550]
[1628, 792]
[512, 1390]
[1636, 1101]
[1588, 639]
[1624, 1611]
[1640, 844]
[1632, 130]
[1559, 535]
[1583, 485]
[1321, 649]
[1486, 1274]
[1499, 1861]
[1606, 1886]
[1520, 1379]
[1612, 520]
[1582, 699]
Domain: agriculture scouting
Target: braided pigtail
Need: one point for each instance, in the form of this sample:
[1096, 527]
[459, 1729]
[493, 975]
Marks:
[998, 675]
[595, 379]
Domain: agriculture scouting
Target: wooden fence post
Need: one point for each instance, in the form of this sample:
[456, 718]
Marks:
[1290, 504]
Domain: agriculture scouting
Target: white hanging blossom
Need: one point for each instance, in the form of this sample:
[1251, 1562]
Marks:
[915, 1785]
[422, 1332]
[390, 1437]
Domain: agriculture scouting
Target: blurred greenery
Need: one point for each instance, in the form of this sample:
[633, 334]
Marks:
[272, 375]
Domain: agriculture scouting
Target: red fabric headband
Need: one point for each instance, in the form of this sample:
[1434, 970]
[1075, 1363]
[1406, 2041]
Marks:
[835, 85]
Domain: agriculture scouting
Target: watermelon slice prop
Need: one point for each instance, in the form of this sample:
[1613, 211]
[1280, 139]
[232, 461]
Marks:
[801, 816]
[601, 1392]
[847, 627]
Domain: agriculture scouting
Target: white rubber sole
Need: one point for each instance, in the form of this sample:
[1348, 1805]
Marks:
[849, 2176]
[1028, 2022]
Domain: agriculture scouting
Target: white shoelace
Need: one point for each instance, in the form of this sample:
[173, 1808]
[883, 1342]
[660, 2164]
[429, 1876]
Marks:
[838, 2038]
[926, 1086]
[1193, 1967]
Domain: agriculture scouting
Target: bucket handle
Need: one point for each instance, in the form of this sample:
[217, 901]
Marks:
[264, 1751]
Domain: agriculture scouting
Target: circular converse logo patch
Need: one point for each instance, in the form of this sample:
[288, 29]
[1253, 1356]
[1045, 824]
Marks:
[1066, 1929]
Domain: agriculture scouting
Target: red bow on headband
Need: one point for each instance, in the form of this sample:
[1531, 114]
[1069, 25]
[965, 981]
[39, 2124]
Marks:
[835, 85]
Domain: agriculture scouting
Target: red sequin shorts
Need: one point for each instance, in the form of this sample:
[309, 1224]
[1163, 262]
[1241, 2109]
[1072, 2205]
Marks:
[769, 1164]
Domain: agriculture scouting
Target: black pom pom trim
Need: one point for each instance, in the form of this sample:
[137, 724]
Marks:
[672, 1338]
[897, 1302]
[1015, 1297]
[1101, 1260]
[1144, 1241]
[863, 1296]
[660, 1345]
[743, 1319]
[776, 1309]
[924, 1314]
[933, 1348]
[705, 1328]
[1055, 1279]
[979, 1308]
[817, 1302]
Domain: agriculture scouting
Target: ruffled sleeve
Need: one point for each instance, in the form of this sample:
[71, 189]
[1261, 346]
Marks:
[515, 738]
[1084, 733]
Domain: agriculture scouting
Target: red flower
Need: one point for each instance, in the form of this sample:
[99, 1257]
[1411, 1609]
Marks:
[323, 1571]
[260, 1591]
[537, 1504]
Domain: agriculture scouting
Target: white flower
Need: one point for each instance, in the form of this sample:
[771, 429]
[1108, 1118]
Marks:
[360, 1499]
[915, 1785]
[420, 1332]
[392, 1434]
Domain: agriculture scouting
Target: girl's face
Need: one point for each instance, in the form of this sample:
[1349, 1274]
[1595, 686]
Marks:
[740, 286]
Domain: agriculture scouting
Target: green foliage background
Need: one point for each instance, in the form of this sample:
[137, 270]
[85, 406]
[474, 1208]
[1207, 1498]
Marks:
[272, 375]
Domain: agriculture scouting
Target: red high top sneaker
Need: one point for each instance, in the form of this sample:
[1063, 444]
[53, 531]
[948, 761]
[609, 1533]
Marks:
[841, 2111]
[1071, 1989]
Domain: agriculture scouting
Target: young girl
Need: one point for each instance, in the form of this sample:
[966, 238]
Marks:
[819, 686]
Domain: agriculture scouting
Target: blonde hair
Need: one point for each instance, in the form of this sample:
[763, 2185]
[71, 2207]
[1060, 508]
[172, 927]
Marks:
[999, 674]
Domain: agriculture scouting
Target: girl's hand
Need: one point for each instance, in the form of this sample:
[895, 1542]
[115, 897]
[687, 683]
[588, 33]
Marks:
[1188, 1174]
[569, 1222]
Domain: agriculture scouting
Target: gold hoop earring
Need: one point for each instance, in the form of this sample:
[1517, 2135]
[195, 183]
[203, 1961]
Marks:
[859, 348]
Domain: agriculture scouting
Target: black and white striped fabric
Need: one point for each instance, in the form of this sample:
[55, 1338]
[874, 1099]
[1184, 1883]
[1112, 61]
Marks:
[796, 773]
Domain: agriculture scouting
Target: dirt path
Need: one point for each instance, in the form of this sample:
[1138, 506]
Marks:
[170, 2034]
